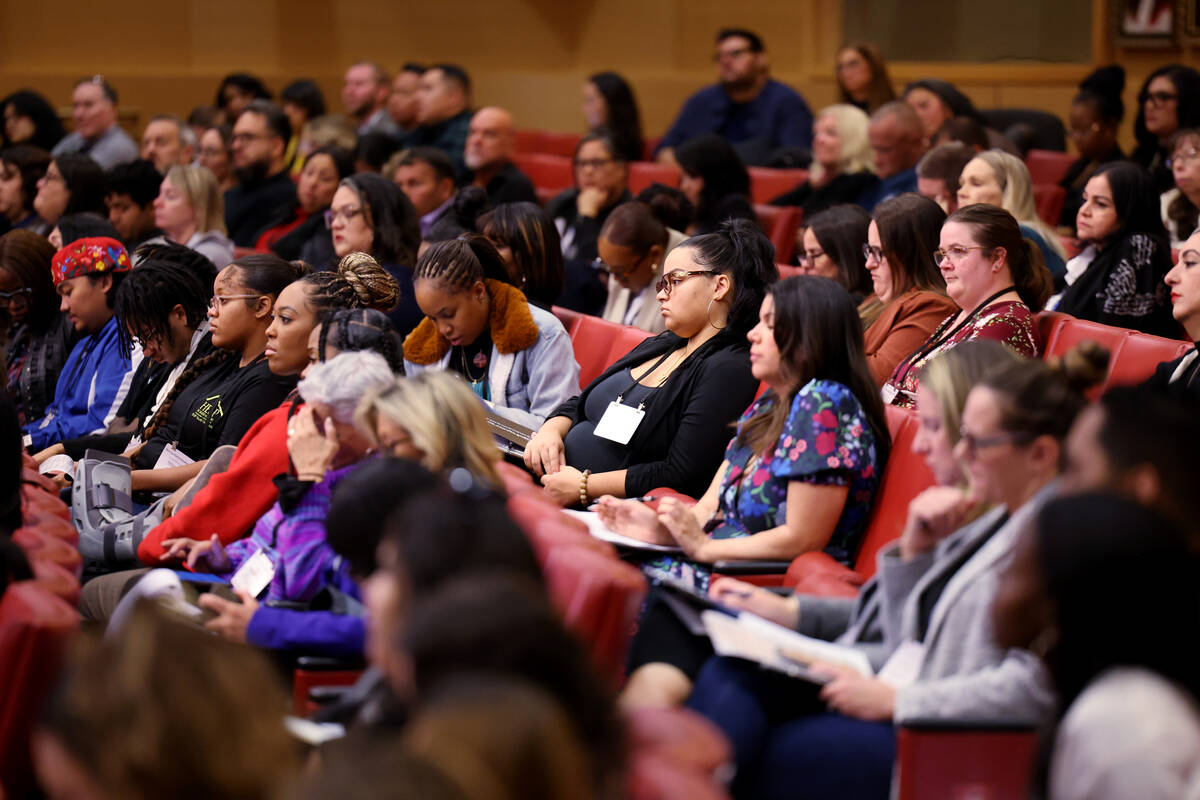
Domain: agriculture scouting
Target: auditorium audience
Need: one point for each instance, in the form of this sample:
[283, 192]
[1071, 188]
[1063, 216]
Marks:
[841, 162]
[37, 336]
[947, 566]
[90, 386]
[936, 102]
[21, 169]
[265, 194]
[715, 181]
[633, 246]
[215, 151]
[897, 144]
[370, 215]
[426, 176]
[1118, 277]
[862, 77]
[1168, 101]
[691, 381]
[402, 102]
[831, 246]
[72, 183]
[85, 224]
[310, 240]
[365, 91]
[189, 210]
[1127, 718]
[908, 286]
[236, 91]
[998, 280]
[467, 206]
[669, 205]
[97, 133]
[29, 119]
[1179, 209]
[516, 356]
[444, 111]
[753, 112]
[608, 102]
[999, 179]
[939, 172]
[1093, 123]
[168, 141]
[527, 241]
[491, 143]
[302, 101]
[131, 190]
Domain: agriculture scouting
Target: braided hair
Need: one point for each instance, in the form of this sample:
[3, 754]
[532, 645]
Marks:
[353, 329]
[461, 262]
[358, 282]
[145, 299]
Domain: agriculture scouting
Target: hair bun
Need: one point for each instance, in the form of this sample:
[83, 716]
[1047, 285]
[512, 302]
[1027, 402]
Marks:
[1083, 366]
[372, 284]
[1108, 80]
[468, 204]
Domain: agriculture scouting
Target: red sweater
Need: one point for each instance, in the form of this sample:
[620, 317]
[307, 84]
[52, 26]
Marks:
[233, 500]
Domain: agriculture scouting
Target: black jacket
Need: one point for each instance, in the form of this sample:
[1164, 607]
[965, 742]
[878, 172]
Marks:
[681, 441]
[250, 210]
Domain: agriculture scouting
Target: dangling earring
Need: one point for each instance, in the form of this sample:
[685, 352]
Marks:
[708, 316]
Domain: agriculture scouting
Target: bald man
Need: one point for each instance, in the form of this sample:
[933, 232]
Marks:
[897, 144]
[488, 156]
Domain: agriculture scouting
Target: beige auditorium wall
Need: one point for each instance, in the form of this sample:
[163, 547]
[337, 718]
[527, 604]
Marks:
[528, 55]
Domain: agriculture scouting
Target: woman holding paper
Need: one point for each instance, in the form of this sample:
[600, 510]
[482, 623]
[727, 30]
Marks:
[924, 620]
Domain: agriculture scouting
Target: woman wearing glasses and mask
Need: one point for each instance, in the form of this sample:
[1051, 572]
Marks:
[369, 214]
[659, 417]
[998, 279]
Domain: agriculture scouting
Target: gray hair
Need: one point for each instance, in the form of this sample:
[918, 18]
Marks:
[187, 136]
[342, 381]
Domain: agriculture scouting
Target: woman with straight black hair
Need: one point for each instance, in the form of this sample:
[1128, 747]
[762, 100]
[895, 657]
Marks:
[21, 167]
[30, 119]
[73, 183]
[236, 91]
[677, 392]
[608, 102]
[715, 180]
[1168, 101]
[1118, 278]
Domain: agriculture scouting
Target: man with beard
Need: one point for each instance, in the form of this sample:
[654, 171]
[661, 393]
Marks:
[755, 114]
[365, 93]
[265, 195]
[490, 146]
[444, 111]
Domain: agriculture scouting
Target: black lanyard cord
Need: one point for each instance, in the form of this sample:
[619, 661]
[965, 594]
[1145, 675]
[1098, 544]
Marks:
[933, 344]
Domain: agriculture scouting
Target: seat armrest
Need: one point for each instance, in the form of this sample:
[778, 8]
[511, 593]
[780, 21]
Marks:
[763, 567]
[328, 663]
[325, 695]
[817, 573]
[919, 725]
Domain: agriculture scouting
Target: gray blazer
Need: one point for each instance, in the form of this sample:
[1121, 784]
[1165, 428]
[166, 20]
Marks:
[963, 675]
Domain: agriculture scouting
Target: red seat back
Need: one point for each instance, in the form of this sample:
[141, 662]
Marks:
[557, 143]
[550, 174]
[766, 184]
[1048, 166]
[598, 344]
[780, 223]
[1049, 199]
[649, 146]
[644, 173]
[787, 270]
[528, 141]
[1133, 355]
[939, 764]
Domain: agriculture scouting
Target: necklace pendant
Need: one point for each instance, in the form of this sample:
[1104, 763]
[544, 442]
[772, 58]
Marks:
[480, 360]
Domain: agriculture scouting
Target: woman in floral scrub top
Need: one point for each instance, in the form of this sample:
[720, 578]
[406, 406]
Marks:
[830, 435]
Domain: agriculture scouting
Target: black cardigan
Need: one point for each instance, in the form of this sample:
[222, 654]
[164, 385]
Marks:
[681, 441]
[1186, 389]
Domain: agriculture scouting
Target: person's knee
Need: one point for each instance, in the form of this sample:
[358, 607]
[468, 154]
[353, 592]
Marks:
[655, 685]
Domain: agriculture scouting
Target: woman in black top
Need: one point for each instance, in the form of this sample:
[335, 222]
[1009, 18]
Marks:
[608, 102]
[310, 241]
[525, 236]
[1169, 101]
[218, 397]
[1093, 122]
[690, 382]
[841, 166]
[715, 180]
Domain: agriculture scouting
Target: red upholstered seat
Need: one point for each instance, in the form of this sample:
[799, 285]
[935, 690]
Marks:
[48, 546]
[528, 141]
[57, 580]
[568, 318]
[516, 480]
[787, 270]
[557, 143]
[682, 736]
[653, 776]
[644, 173]
[766, 184]
[904, 477]
[551, 174]
[780, 223]
[599, 598]
[599, 344]
[1049, 199]
[1048, 166]
[1133, 356]
[934, 764]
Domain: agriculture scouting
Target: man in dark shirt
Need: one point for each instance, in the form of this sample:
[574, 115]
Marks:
[426, 176]
[490, 146]
[755, 114]
[265, 195]
[443, 111]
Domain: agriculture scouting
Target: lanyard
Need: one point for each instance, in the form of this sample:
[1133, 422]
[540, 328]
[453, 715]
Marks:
[634, 381]
[907, 364]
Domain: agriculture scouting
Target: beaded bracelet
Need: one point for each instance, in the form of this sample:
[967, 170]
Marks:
[583, 495]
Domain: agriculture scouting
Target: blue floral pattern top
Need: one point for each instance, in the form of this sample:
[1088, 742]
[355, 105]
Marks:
[827, 440]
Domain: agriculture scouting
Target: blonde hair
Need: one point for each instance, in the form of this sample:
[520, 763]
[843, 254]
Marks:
[1017, 186]
[444, 418]
[203, 193]
[330, 129]
[851, 124]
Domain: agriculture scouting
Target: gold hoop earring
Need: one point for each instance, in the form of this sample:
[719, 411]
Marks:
[708, 316]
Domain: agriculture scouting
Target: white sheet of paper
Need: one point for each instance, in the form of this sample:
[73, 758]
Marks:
[59, 463]
[754, 638]
[172, 457]
[255, 574]
[619, 422]
[599, 530]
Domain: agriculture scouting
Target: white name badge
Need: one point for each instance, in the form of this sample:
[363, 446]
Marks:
[889, 393]
[904, 666]
[255, 574]
[619, 422]
[172, 457]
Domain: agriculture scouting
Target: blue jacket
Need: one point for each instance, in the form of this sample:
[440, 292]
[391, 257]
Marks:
[338, 632]
[90, 388]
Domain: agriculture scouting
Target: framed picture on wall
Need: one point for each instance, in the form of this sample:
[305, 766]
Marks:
[1149, 23]
[1189, 13]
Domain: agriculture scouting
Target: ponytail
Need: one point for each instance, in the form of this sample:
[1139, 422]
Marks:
[740, 250]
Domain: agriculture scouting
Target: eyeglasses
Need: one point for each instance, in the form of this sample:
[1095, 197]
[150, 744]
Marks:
[53, 176]
[219, 300]
[16, 297]
[809, 256]
[1182, 157]
[731, 54]
[870, 252]
[347, 214]
[1157, 98]
[954, 254]
[668, 282]
[975, 443]
[246, 138]
[616, 271]
[594, 163]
